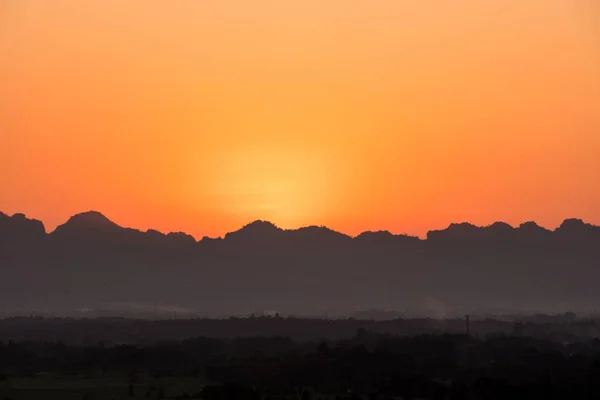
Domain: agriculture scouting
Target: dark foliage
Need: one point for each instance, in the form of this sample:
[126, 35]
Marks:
[367, 365]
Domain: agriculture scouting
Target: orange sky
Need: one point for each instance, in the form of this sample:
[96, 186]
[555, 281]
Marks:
[201, 116]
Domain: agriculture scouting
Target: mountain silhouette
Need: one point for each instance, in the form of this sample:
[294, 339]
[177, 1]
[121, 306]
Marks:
[86, 223]
[577, 229]
[92, 262]
[257, 230]
[531, 230]
[20, 226]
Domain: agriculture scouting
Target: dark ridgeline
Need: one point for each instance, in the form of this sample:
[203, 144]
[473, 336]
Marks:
[91, 262]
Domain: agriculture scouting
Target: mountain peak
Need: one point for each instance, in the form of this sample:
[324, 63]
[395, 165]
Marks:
[530, 225]
[573, 223]
[499, 225]
[455, 231]
[255, 229]
[89, 220]
[575, 228]
[531, 230]
[314, 232]
[259, 227]
[385, 237]
[260, 223]
[380, 233]
[181, 237]
[19, 225]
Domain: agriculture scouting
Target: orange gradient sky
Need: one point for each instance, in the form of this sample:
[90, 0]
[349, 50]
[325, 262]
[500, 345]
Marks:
[201, 116]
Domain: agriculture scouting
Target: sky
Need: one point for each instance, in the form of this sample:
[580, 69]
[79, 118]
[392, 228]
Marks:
[399, 115]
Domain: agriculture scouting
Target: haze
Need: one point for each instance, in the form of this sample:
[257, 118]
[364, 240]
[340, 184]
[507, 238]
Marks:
[202, 116]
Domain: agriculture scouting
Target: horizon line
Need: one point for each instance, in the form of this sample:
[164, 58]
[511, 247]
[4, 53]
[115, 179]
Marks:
[300, 227]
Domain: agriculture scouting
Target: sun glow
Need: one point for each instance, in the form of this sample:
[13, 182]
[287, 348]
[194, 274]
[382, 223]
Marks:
[284, 185]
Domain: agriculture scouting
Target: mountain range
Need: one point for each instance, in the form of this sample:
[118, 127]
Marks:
[91, 262]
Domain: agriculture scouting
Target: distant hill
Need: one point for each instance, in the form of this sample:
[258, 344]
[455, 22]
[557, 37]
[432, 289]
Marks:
[90, 262]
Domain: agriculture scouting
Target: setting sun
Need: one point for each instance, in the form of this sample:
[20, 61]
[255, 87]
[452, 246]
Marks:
[285, 185]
